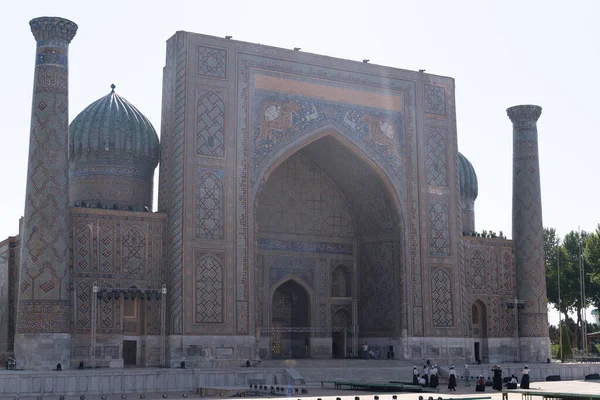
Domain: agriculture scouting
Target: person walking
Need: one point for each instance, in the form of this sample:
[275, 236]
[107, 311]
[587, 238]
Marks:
[452, 379]
[466, 373]
[497, 378]
[415, 375]
[525, 378]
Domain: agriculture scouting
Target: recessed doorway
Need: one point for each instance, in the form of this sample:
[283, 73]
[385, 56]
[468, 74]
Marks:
[129, 352]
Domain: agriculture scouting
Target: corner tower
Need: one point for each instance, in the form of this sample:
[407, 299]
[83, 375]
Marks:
[528, 234]
[43, 333]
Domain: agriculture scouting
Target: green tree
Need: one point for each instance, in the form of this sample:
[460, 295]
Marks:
[567, 352]
[552, 251]
[574, 243]
[592, 258]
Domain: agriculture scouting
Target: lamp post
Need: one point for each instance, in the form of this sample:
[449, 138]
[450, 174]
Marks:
[517, 305]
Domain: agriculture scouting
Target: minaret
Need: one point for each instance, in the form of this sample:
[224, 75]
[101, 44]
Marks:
[528, 235]
[43, 335]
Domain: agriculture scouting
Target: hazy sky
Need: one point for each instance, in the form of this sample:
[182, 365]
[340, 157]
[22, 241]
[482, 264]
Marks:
[501, 53]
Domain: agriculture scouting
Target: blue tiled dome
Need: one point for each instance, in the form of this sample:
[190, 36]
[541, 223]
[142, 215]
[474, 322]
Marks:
[110, 128]
[113, 151]
[468, 178]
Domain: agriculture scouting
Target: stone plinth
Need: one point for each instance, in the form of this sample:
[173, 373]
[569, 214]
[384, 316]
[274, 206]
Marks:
[43, 319]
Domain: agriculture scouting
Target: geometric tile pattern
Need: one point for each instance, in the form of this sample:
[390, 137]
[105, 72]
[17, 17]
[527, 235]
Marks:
[209, 291]
[477, 270]
[377, 288]
[83, 245]
[493, 268]
[83, 305]
[176, 177]
[126, 251]
[527, 221]
[210, 132]
[284, 267]
[435, 100]
[212, 62]
[439, 230]
[209, 204]
[506, 271]
[134, 251]
[436, 157]
[106, 243]
[299, 198]
[441, 298]
[44, 298]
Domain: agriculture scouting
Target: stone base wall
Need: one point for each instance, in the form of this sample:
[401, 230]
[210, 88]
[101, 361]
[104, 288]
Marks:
[320, 348]
[210, 351]
[106, 381]
[535, 349]
[109, 350]
[42, 351]
[491, 350]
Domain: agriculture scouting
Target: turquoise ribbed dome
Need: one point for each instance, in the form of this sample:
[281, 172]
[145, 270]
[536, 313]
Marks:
[468, 178]
[112, 128]
[113, 151]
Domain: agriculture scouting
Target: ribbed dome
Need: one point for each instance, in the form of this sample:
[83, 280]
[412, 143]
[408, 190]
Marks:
[110, 128]
[113, 151]
[468, 178]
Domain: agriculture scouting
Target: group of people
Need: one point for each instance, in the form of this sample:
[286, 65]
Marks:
[429, 378]
[498, 381]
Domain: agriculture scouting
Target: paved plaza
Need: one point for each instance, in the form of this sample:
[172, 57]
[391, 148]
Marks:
[316, 392]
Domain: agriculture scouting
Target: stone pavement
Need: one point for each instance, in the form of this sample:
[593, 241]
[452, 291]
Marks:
[316, 392]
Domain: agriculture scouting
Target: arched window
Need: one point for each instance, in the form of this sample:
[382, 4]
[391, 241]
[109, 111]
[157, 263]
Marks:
[475, 314]
[340, 282]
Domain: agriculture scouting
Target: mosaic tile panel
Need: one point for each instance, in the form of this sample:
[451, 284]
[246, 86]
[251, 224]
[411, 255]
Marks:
[177, 161]
[441, 298]
[477, 270]
[212, 62]
[300, 199]
[437, 164]
[377, 288]
[435, 100]
[210, 204]
[210, 286]
[493, 268]
[305, 247]
[210, 126]
[83, 306]
[439, 229]
[280, 267]
[134, 251]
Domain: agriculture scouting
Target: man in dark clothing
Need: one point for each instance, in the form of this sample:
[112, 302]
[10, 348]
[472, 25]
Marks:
[497, 378]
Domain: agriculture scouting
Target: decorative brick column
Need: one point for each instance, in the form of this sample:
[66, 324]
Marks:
[43, 317]
[528, 234]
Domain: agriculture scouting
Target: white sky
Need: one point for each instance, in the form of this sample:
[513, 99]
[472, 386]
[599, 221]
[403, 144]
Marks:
[501, 53]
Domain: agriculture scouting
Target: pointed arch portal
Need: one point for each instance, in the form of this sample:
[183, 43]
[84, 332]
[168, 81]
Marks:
[327, 214]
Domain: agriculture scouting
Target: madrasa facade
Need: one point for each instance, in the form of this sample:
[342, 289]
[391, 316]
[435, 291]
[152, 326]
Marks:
[306, 205]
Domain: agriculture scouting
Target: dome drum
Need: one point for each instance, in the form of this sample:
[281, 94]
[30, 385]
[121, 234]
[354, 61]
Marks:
[111, 187]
